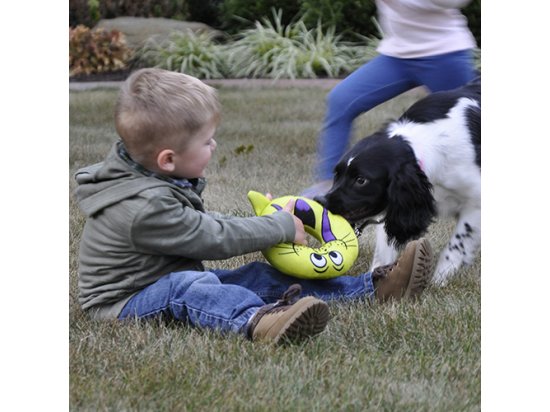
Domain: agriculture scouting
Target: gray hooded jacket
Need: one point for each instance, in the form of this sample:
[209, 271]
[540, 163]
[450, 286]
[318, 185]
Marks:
[140, 228]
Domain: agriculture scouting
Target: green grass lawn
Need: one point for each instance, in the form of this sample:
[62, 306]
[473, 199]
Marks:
[422, 356]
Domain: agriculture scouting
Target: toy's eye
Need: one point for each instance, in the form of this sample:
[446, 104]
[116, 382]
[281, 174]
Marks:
[336, 258]
[361, 181]
[318, 260]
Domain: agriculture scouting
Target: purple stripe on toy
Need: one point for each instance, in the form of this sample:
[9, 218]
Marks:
[304, 212]
[302, 205]
[326, 231]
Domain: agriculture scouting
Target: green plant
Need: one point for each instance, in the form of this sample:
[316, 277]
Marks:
[89, 12]
[96, 51]
[237, 15]
[477, 58]
[347, 17]
[324, 53]
[244, 149]
[275, 50]
[79, 13]
[173, 9]
[473, 13]
[269, 50]
[205, 11]
[186, 52]
[93, 8]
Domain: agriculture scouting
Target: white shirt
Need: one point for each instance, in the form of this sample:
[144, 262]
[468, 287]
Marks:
[420, 28]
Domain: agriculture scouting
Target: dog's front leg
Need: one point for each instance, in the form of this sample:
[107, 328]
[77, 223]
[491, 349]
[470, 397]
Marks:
[384, 252]
[462, 246]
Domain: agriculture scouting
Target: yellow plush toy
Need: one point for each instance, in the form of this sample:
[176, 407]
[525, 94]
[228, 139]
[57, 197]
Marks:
[339, 246]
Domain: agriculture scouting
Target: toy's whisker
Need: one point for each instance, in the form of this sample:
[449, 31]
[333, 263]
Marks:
[345, 237]
[284, 247]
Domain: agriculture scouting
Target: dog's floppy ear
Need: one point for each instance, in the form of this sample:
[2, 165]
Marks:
[411, 206]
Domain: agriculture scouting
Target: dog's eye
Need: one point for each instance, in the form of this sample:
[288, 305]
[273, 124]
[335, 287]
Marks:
[361, 181]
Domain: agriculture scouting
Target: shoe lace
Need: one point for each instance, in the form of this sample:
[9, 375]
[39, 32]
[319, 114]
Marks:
[289, 297]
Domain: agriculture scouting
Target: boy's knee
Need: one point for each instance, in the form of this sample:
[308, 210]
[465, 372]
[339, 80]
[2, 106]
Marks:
[184, 280]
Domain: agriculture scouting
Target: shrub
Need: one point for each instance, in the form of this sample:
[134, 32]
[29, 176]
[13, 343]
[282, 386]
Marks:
[347, 17]
[238, 15]
[358, 16]
[274, 50]
[96, 51]
[269, 50]
[205, 11]
[473, 13]
[79, 13]
[89, 12]
[186, 52]
[174, 9]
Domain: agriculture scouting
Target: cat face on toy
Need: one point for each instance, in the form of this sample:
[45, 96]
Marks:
[323, 258]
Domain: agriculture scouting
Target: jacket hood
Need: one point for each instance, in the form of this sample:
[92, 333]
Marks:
[113, 180]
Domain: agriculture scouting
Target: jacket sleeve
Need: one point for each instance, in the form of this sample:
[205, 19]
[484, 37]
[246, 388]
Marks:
[165, 227]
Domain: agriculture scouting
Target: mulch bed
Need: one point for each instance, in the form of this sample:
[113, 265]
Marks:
[79, 81]
[101, 77]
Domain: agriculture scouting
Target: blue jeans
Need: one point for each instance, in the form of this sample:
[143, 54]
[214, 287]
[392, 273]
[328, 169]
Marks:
[377, 81]
[226, 299]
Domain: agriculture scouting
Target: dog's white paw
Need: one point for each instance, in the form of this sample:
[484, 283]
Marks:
[444, 271]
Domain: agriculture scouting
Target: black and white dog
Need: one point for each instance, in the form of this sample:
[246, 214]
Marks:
[426, 163]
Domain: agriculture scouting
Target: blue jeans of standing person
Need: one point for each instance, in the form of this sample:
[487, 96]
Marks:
[377, 81]
[226, 299]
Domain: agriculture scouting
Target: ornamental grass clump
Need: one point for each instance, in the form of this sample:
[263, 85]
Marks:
[323, 53]
[195, 54]
[274, 50]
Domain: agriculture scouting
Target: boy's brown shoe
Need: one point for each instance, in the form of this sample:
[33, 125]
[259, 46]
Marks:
[408, 276]
[290, 318]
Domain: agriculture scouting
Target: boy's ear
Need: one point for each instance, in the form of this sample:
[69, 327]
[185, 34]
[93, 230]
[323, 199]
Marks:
[165, 161]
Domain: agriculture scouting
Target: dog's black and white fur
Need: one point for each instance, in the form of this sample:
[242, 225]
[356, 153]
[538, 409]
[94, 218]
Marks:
[426, 163]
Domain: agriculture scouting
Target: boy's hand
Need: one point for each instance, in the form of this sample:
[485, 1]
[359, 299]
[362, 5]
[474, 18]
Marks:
[300, 236]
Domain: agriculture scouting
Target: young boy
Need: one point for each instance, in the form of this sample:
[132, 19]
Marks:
[147, 231]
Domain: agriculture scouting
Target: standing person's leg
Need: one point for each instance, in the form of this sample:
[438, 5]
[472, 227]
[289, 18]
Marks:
[379, 80]
[444, 72]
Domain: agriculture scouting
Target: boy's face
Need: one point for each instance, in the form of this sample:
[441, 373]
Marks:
[191, 163]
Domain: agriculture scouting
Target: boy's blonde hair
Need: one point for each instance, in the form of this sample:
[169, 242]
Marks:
[158, 109]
